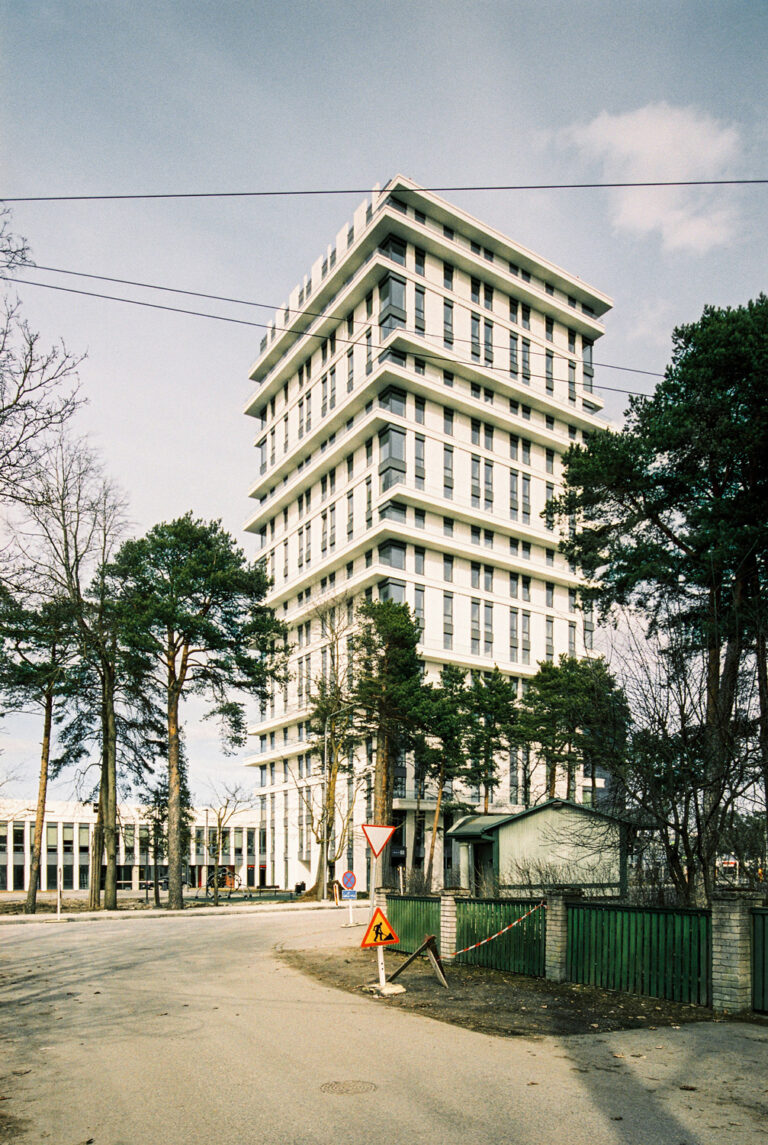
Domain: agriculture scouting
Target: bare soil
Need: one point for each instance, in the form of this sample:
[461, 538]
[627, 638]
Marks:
[492, 1001]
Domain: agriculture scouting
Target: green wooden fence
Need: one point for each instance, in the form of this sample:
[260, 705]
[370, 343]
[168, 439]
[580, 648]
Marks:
[660, 952]
[520, 950]
[413, 917]
[760, 959]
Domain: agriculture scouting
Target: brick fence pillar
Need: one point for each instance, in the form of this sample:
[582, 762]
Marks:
[380, 897]
[732, 950]
[555, 958]
[448, 918]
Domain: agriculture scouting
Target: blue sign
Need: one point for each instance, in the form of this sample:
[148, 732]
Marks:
[345, 894]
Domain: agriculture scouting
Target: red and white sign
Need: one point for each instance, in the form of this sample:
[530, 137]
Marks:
[377, 836]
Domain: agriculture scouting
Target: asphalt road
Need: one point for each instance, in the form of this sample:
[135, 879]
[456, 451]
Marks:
[181, 1030]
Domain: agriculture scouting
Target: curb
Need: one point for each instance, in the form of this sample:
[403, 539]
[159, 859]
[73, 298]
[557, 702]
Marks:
[190, 912]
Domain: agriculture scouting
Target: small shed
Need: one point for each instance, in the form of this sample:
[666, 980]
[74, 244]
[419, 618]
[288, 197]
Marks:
[553, 842]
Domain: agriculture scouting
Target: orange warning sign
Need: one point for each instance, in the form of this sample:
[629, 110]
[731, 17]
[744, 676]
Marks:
[379, 932]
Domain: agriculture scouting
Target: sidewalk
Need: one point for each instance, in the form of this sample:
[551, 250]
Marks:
[224, 908]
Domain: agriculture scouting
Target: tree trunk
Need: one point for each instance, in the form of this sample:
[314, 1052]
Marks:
[175, 893]
[45, 754]
[382, 804]
[110, 816]
[155, 856]
[435, 824]
[97, 845]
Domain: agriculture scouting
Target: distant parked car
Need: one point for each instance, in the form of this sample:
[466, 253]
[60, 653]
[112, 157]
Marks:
[149, 884]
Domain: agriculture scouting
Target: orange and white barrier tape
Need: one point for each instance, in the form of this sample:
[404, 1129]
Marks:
[498, 932]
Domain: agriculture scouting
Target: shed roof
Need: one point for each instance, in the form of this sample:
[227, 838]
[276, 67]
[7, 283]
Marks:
[483, 826]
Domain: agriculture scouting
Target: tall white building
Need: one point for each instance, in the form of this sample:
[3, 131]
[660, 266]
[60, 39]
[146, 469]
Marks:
[413, 399]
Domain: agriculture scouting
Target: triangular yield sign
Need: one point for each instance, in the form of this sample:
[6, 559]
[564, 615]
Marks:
[379, 932]
[377, 836]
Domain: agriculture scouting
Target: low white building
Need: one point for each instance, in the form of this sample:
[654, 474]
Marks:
[68, 841]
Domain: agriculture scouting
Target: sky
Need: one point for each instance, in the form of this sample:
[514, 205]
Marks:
[164, 96]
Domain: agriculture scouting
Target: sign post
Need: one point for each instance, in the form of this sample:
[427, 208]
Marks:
[348, 881]
[380, 934]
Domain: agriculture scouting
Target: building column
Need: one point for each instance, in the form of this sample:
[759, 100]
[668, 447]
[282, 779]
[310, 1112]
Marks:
[732, 950]
[465, 865]
[556, 946]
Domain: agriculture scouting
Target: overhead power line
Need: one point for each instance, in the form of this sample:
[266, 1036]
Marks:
[294, 312]
[429, 357]
[298, 192]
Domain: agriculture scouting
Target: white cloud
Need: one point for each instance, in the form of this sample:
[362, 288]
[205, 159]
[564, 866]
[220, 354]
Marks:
[659, 142]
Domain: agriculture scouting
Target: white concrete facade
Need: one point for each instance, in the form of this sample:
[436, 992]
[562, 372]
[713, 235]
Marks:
[68, 839]
[414, 397]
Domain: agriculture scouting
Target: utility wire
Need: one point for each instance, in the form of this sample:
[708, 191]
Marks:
[294, 312]
[369, 190]
[264, 326]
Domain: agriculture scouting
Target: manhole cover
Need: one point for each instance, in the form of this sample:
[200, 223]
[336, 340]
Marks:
[347, 1087]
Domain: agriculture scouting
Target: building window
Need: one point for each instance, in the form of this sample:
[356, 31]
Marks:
[526, 360]
[418, 561]
[368, 350]
[447, 567]
[526, 316]
[419, 518]
[391, 303]
[391, 456]
[475, 431]
[488, 486]
[392, 553]
[488, 578]
[394, 400]
[513, 494]
[526, 448]
[475, 337]
[475, 534]
[418, 605]
[447, 323]
[394, 248]
[393, 590]
[513, 365]
[550, 329]
[526, 637]
[550, 463]
[474, 627]
[448, 620]
[474, 290]
[526, 586]
[514, 581]
[420, 366]
[419, 470]
[419, 408]
[488, 342]
[526, 499]
[475, 575]
[419, 260]
[448, 471]
[514, 643]
[394, 511]
[549, 372]
[475, 482]
[448, 378]
[549, 646]
[447, 276]
[488, 297]
[448, 421]
[571, 638]
[549, 590]
[488, 436]
[418, 310]
[487, 628]
[572, 385]
[549, 518]
[448, 526]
